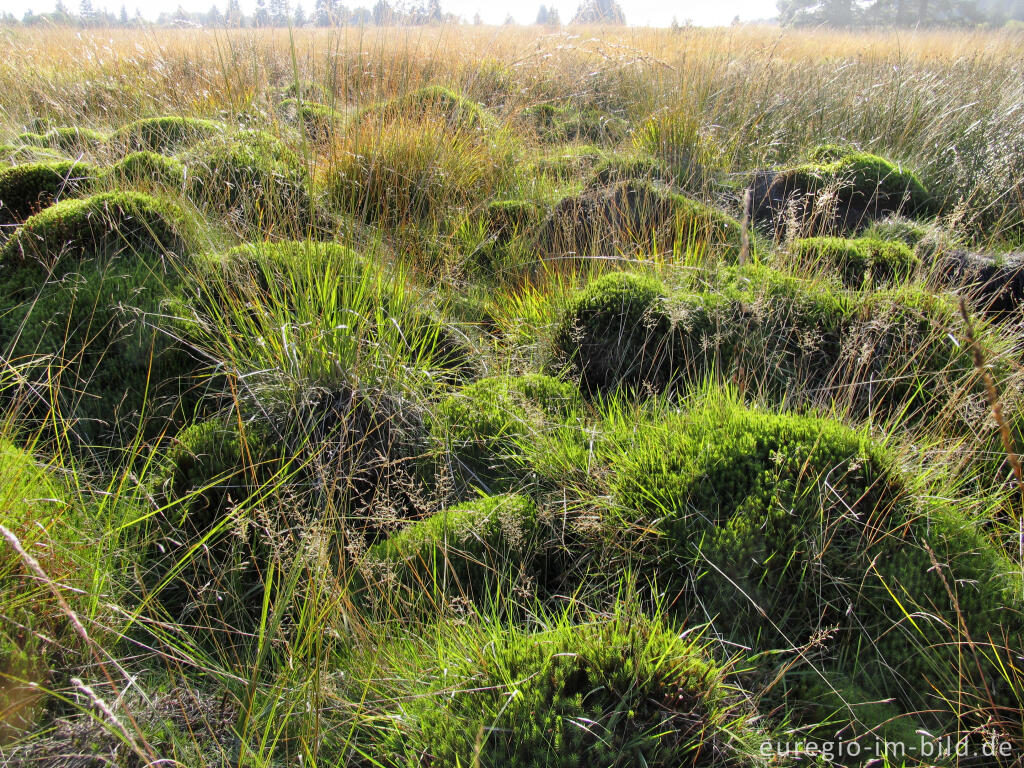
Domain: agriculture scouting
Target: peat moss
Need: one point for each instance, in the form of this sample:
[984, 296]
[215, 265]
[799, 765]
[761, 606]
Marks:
[101, 225]
[253, 175]
[93, 345]
[617, 330]
[488, 425]
[147, 168]
[617, 168]
[645, 695]
[571, 161]
[82, 283]
[164, 135]
[781, 525]
[26, 189]
[860, 262]
[478, 551]
[900, 229]
[26, 153]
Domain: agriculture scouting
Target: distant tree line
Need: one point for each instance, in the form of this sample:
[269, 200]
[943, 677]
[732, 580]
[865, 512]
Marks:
[898, 13]
[285, 13]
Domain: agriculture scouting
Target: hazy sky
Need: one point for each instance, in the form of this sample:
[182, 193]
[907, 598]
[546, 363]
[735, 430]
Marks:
[638, 12]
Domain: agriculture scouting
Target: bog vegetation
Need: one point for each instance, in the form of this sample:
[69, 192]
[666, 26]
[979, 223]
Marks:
[462, 397]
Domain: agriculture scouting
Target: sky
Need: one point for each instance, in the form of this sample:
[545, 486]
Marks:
[638, 12]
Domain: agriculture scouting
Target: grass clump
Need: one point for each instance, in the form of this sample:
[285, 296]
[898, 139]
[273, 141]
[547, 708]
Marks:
[838, 191]
[478, 551]
[34, 633]
[683, 153]
[864, 261]
[604, 693]
[26, 189]
[414, 173]
[254, 177]
[633, 216]
[491, 425]
[164, 135]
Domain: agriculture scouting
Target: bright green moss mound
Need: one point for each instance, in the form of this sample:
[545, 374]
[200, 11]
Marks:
[557, 123]
[624, 691]
[618, 330]
[491, 424]
[25, 189]
[476, 551]
[633, 216]
[94, 346]
[864, 181]
[84, 289]
[433, 102]
[864, 261]
[147, 168]
[101, 225]
[71, 139]
[164, 134]
[211, 469]
[780, 336]
[784, 524]
[320, 121]
[250, 173]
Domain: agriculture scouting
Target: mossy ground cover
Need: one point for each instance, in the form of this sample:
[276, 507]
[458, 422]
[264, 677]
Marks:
[449, 412]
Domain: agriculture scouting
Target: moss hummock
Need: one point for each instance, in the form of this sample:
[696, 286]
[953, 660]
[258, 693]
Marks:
[862, 187]
[101, 225]
[860, 262]
[631, 216]
[164, 134]
[783, 524]
[776, 335]
[435, 103]
[202, 483]
[68, 139]
[147, 168]
[26, 189]
[487, 423]
[477, 551]
[621, 691]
